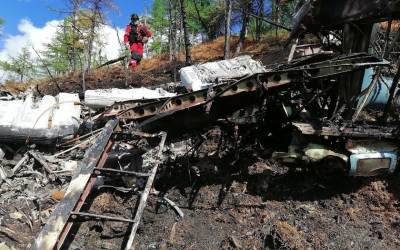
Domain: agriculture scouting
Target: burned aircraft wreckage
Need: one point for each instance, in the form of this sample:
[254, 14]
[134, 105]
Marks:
[316, 104]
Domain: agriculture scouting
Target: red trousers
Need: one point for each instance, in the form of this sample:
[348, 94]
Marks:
[137, 51]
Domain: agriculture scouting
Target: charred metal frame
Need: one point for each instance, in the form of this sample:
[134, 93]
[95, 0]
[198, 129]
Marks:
[55, 231]
[68, 212]
[187, 112]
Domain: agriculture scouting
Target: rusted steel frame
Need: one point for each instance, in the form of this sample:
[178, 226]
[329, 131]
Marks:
[145, 193]
[164, 105]
[271, 79]
[120, 106]
[158, 107]
[191, 115]
[211, 95]
[184, 120]
[116, 172]
[187, 100]
[54, 232]
[75, 216]
[84, 194]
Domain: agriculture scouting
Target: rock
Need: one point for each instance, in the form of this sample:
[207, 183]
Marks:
[236, 242]
[16, 215]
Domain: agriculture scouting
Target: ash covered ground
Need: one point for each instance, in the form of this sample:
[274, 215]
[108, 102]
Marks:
[232, 198]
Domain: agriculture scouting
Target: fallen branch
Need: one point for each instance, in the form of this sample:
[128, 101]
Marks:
[172, 204]
[112, 61]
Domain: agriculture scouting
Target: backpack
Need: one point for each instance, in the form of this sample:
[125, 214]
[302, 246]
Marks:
[133, 36]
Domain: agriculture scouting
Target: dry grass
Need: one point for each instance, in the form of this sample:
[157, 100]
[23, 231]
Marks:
[290, 236]
[17, 87]
[205, 52]
[395, 25]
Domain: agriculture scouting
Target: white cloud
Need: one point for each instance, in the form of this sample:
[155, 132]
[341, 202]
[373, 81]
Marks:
[30, 35]
[111, 38]
[36, 37]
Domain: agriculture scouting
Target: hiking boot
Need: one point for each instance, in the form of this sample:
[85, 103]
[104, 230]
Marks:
[133, 63]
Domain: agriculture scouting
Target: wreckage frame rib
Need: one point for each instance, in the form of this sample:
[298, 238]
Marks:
[146, 192]
[55, 231]
[96, 217]
[116, 172]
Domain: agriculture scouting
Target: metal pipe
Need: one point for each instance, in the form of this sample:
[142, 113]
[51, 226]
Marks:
[370, 89]
[146, 192]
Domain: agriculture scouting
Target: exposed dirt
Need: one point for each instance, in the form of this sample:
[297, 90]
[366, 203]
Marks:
[239, 200]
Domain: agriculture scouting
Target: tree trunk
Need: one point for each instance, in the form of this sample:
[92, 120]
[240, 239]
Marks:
[260, 12]
[228, 14]
[180, 38]
[243, 31]
[76, 5]
[173, 37]
[277, 14]
[100, 61]
[202, 22]
[171, 34]
[90, 47]
[186, 34]
[84, 66]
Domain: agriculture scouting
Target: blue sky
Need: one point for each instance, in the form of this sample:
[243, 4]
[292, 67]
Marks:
[36, 11]
[31, 23]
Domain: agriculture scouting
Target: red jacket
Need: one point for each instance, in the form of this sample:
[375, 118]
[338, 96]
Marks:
[140, 36]
[137, 46]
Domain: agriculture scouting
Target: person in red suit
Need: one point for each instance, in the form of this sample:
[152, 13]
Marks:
[136, 34]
